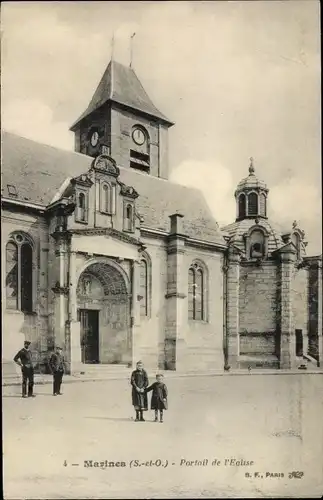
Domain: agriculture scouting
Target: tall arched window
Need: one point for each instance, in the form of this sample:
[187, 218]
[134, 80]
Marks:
[196, 293]
[107, 198]
[262, 205]
[12, 275]
[253, 204]
[128, 221]
[19, 274]
[242, 205]
[143, 288]
[81, 207]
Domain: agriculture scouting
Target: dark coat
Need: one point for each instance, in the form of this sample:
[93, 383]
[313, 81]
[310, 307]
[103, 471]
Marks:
[25, 357]
[57, 362]
[139, 380]
[159, 396]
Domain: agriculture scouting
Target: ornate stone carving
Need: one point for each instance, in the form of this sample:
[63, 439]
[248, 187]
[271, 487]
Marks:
[128, 191]
[105, 164]
[83, 180]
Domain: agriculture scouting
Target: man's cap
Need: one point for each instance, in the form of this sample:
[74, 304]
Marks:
[59, 347]
[27, 342]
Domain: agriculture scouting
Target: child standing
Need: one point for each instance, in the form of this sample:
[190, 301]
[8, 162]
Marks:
[139, 382]
[159, 397]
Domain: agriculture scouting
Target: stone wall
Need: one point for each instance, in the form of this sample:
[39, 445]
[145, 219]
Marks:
[258, 308]
[150, 334]
[122, 122]
[300, 298]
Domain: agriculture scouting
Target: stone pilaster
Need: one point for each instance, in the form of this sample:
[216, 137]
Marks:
[315, 308]
[175, 297]
[74, 353]
[286, 327]
[61, 289]
[135, 312]
[232, 308]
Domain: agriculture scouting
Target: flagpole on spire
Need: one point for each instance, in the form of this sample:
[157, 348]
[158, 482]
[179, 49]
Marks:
[131, 48]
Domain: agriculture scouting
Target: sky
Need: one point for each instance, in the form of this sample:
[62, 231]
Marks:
[239, 79]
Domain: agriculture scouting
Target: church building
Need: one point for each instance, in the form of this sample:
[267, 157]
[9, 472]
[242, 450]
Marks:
[103, 255]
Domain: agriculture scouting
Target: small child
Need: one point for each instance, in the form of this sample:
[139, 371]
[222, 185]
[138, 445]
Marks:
[139, 382]
[159, 397]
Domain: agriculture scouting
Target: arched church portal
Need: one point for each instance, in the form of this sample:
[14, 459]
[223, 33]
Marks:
[103, 305]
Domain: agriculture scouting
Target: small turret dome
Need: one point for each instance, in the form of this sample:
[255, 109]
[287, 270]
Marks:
[251, 196]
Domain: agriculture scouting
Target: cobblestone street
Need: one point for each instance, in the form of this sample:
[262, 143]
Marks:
[274, 421]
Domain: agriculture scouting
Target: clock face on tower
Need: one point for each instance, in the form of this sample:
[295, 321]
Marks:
[138, 136]
[94, 138]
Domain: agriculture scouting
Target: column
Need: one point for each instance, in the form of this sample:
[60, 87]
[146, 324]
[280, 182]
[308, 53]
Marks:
[74, 354]
[232, 308]
[287, 330]
[175, 345]
[135, 312]
[61, 290]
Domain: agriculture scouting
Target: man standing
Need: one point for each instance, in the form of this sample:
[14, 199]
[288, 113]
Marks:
[57, 366]
[24, 360]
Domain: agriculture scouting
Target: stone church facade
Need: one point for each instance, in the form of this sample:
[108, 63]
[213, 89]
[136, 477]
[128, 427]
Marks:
[106, 257]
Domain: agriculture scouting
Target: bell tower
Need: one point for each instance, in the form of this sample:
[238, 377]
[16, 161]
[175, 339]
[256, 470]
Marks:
[122, 121]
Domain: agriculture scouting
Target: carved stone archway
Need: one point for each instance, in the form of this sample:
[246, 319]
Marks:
[103, 303]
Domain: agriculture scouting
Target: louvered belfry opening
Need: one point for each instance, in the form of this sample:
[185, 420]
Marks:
[140, 161]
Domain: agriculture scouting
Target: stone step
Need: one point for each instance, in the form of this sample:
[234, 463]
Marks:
[104, 368]
[269, 361]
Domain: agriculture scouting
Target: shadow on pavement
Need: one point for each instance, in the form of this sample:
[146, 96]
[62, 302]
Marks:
[19, 395]
[12, 396]
[120, 419]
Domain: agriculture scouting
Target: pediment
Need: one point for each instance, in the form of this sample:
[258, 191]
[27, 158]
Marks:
[106, 165]
[288, 248]
[114, 233]
[128, 191]
[83, 180]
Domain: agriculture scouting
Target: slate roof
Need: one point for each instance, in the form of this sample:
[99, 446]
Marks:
[252, 181]
[120, 84]
[237, 229]
[38, 171]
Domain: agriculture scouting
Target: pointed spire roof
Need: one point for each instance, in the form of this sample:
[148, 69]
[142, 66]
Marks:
[120, 84]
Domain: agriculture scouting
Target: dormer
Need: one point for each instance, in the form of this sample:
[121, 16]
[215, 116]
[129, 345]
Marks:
[129, 195]
[297, 237]
[256, 242]
[106, 175]
[82, 185]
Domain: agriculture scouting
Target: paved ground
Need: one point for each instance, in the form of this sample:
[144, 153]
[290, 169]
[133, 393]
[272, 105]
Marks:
[274, 421]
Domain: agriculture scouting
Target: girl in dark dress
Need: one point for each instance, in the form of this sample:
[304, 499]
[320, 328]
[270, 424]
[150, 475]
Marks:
[139, 382]
[159, 397]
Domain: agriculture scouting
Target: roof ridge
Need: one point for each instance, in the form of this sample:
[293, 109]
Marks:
[82, 155]
[23, 137]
